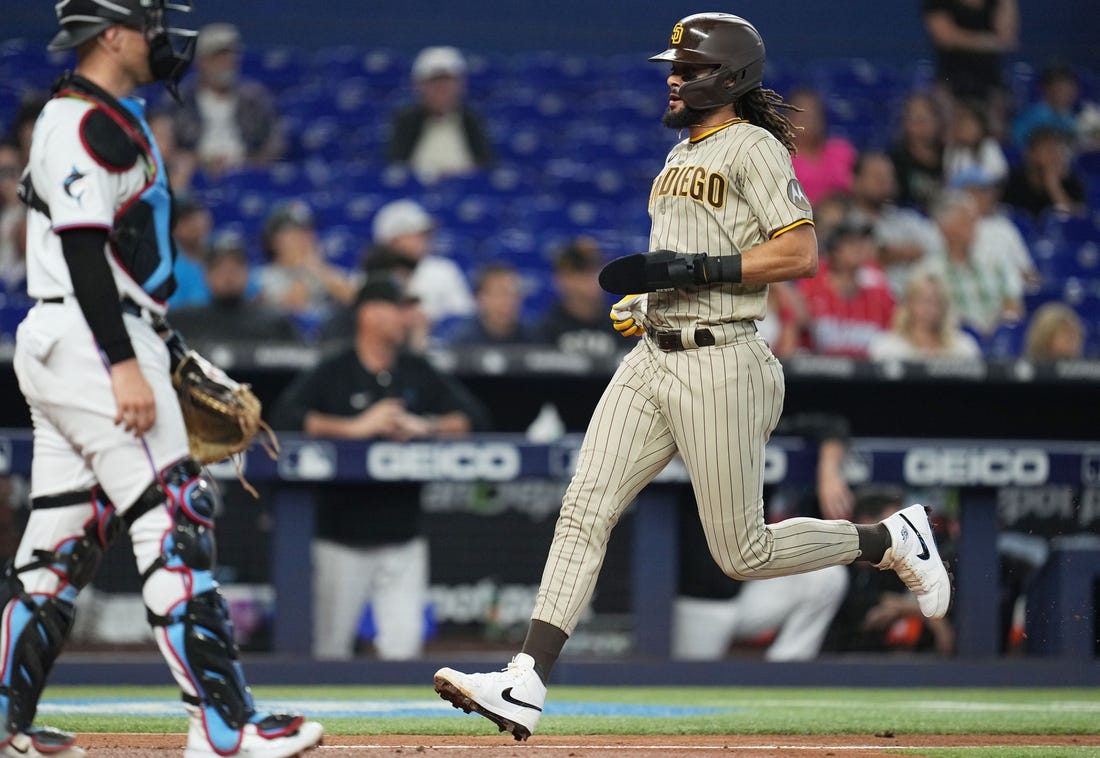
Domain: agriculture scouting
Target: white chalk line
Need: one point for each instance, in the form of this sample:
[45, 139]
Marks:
[818, 747]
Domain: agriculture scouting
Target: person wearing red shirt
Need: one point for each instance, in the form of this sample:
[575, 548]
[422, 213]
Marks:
[849, 302]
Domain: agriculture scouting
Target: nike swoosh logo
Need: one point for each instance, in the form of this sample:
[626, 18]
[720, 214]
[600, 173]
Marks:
[507, 696]
[923, 554]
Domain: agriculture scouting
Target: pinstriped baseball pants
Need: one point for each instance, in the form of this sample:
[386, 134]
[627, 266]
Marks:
[716, 406]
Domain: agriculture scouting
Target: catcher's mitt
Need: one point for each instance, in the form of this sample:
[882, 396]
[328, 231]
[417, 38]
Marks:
[222, 415]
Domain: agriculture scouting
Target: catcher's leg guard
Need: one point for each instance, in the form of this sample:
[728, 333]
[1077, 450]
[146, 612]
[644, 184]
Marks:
[65, 540]
[190, 617]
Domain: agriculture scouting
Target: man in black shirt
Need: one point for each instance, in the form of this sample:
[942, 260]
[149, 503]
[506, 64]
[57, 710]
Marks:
[368, 545]
[231, 316]
[577, 321]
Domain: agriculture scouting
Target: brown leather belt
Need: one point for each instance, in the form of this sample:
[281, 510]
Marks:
[672, 341]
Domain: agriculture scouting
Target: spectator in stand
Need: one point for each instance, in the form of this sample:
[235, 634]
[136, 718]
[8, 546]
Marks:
[1059, 91]
[879, 614]
[498, 291]
[924, 325]
[22, 123]
[785, 321]
[369, 545]
[439, 135]
[405, 229]
[577, 321]
[297, 279]
[918, 152]
[849, 301]
[1045, 180]
[180, 164]
[995, 229]
[970, 143]
[230, 315]
[224, 120]
[823, 164]
[904, 237]
[971, 38]
[1055, 332]
[13, 219]
[984, 284]
[192, 224]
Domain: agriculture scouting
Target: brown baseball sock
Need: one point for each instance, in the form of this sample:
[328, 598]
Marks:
[544, 643]
[873, 541]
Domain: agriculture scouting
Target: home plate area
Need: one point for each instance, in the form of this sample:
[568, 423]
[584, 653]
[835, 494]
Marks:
[492, 745]
[620, 746]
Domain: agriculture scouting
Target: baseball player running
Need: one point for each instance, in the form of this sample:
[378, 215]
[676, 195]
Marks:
[701, 382]
[110, 447]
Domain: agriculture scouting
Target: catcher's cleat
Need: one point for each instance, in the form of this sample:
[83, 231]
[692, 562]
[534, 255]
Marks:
[41, 742]
[511, 698]
[263, 740]
[916, 559]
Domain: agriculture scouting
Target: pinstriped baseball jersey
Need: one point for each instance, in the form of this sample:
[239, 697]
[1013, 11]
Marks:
[730, 189]
[723, 192]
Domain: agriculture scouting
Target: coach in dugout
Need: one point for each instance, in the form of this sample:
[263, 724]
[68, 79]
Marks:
[369, 547]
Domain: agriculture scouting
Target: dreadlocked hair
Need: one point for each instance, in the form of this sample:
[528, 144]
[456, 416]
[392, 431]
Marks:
[760, 107]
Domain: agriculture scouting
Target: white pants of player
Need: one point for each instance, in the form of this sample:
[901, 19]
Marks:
[392, 578]
[799, 608]
[77, 445]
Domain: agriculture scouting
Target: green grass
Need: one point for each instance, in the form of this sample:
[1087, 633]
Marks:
[795, 711]
[1005, 752]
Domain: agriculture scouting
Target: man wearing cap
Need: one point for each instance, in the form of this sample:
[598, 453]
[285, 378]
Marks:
[439, 135]
[111, 449]
[192, 224]
[405, 228]
[996, 231]
[231, 316]
[224, 120]
[984, 284]
[849, 302]
[369, 547]
[297, 279]
[575, 322]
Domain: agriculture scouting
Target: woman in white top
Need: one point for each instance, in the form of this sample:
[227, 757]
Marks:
[925, 326]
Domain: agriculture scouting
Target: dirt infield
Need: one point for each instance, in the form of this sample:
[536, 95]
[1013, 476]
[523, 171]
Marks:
[597, 746]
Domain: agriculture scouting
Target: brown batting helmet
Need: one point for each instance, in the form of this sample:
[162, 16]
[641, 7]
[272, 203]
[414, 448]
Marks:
[716, 39]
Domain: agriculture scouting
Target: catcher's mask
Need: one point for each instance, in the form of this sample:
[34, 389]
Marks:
[170, 49]
[716, 39]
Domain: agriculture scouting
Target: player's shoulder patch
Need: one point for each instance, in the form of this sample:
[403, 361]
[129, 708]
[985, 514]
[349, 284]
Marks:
[107, 141]
[797, 195]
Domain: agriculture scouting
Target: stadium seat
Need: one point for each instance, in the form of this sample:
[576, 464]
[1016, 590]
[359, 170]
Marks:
[1005, 342]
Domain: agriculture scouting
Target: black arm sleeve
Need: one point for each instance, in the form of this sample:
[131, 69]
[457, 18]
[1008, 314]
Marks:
[95, 290]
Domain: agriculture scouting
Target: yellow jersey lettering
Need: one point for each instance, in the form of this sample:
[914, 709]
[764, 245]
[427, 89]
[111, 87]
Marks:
[716, 190]
[693, 182]
[669, 180]
[698, 180]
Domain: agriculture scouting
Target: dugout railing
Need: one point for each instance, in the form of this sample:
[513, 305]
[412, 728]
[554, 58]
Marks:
[1064, 613]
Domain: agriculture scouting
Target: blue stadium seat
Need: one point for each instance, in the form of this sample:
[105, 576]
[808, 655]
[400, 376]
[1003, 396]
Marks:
[1005, 342]
[341, 245]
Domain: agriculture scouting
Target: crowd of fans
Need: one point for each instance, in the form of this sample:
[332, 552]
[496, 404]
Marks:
[928, 240]
[964, 217]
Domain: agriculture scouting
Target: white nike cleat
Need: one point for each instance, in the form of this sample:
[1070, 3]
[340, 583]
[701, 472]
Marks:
[41, 742]
[915, 558]
[276, 737]
[511, 698]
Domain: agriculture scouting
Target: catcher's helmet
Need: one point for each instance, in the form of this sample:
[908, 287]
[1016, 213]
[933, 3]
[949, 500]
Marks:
[716, 39]
[170, 50]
